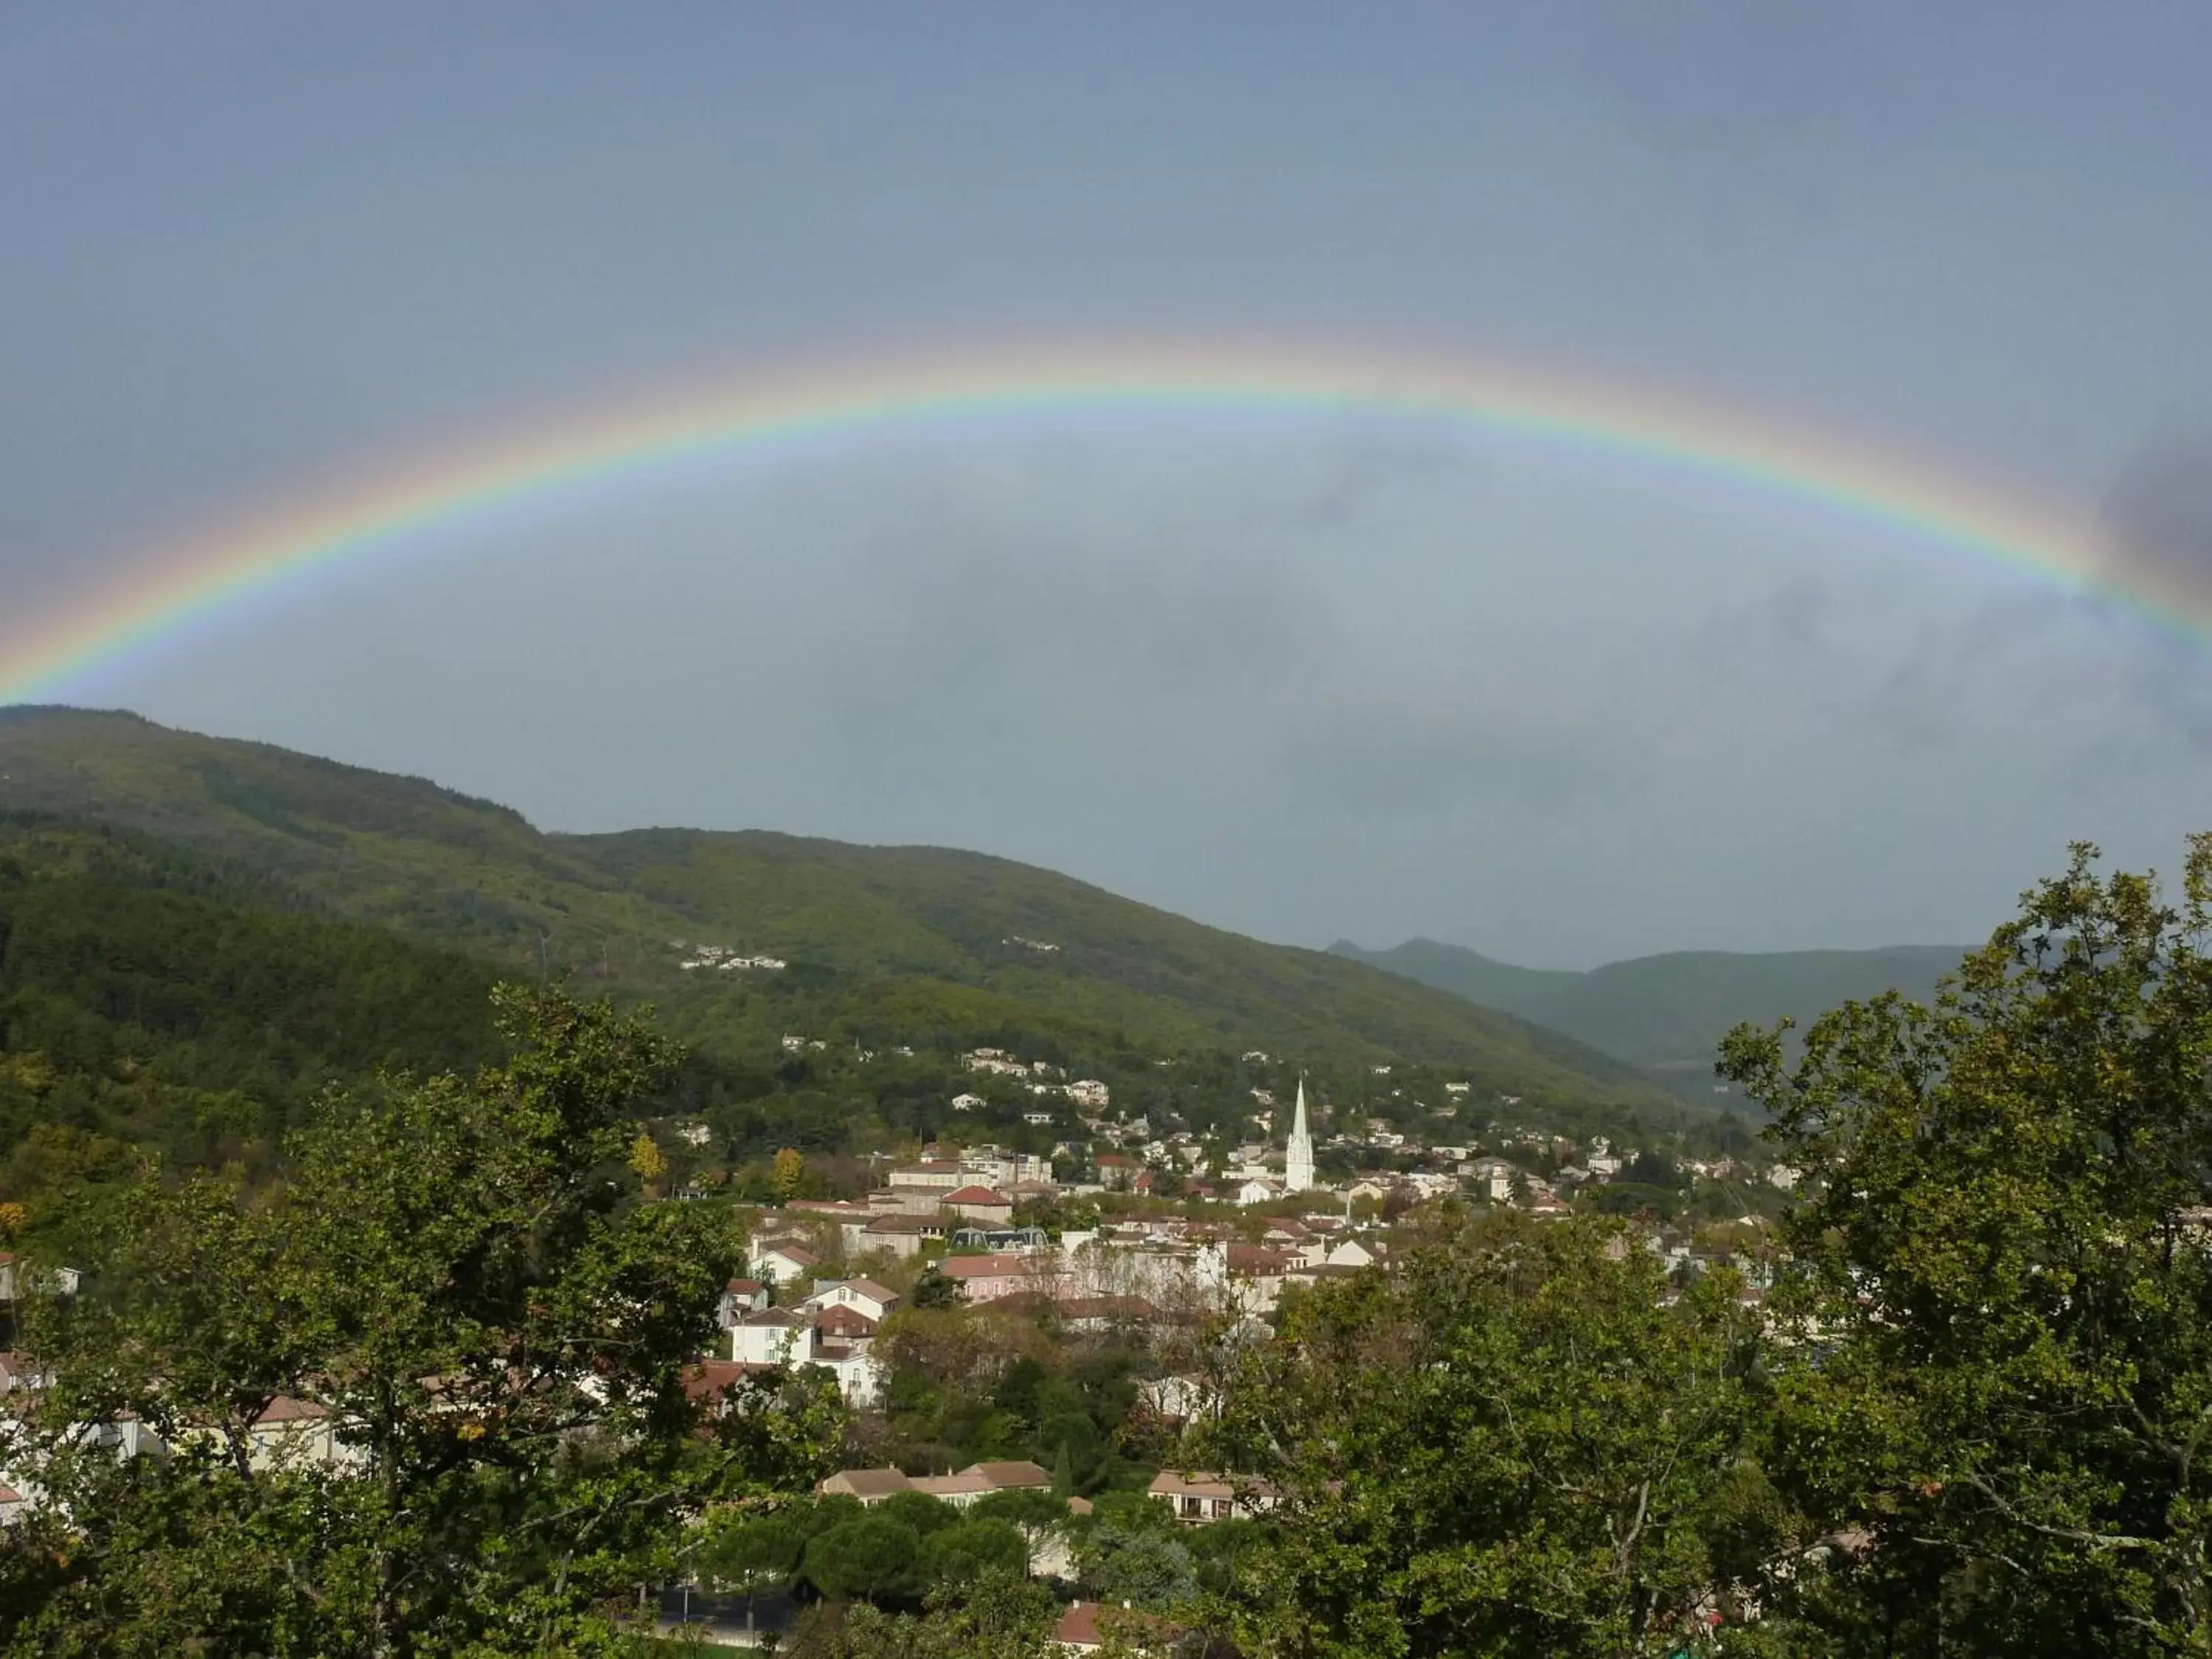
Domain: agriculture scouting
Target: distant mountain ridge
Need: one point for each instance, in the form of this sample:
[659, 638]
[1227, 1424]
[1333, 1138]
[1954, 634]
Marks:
[877, 937]
[1666, 1013]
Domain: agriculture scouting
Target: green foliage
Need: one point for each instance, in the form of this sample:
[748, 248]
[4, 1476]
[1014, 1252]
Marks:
[972, 1548]
[1146, 1566]
[2001, 1236]
[489, 1337]
[1024, 1507]
[146, 997]
[746, 1553]
[1508, 1445]
[994, 1615]
[870, 1557]
[918, 1511]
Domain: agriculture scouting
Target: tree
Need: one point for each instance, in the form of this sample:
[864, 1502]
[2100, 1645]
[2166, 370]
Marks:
[2001, 1229]
[932, 1289]
[494, 1335]
[1507, 1446]
[746, 1553]
[996, 1614]
[972, 1548]
[1147, 1566]
[790, 1171]
[919, 1510]
[870, 1555]
[645, 1161]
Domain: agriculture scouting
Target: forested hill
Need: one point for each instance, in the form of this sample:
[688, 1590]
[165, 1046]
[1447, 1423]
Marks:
[145, 998]
[886, 939]
[1667, 1013]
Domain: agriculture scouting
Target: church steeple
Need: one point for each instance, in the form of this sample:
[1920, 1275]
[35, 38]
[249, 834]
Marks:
[1297, 1159]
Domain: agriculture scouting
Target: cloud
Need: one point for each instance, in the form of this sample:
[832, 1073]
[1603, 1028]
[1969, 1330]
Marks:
[2159, 510]
[1758, 106]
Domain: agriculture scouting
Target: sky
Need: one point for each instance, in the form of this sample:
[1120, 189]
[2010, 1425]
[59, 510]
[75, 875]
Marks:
[1305, 677]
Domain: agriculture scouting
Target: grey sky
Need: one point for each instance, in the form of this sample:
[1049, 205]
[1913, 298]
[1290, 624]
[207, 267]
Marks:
[1301, 680]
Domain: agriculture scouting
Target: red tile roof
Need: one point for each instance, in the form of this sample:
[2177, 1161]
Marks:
[978, 1196]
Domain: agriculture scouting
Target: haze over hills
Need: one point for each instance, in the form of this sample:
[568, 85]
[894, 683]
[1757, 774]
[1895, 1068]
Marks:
[1667, 1013]
[895, 936]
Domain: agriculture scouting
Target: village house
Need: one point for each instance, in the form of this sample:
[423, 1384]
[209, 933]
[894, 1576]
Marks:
[969, 1486]
[903, 1236]
[295, 1434]
[939, 1175]
[1199, 1498]
[739, 1297]
[980, 1204]
[774, 1336]
[864, 1296]
[987, 1277]
[782, 1263]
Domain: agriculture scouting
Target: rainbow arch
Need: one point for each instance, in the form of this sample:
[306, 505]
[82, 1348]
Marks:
[171, 588]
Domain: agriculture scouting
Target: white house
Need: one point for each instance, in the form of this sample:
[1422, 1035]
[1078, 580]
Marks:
[774, 1336]
[864, 1296]
[783, 1264]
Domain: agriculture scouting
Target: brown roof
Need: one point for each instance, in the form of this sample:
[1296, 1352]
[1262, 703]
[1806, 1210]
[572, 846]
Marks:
[874, 1291]
[1004, 1476]
[1252, 1259]
[905, 1224]
[966, 1484]
[842, 1321]
[1078, 1625]
[1194, 1484]
[773, 1319]
[792, 1252]
[870, 1483]
[988, 1266]
[705, 1381]
[978, 1196]
[745, 1286]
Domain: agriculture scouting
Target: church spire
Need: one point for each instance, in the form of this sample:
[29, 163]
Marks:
[1297, 1156]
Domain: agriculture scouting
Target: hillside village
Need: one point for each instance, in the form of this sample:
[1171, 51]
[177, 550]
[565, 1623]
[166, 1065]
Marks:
[1146, 1229]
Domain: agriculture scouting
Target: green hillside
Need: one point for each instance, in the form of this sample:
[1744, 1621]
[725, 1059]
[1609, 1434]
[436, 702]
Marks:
[145, 998]
[879, 940]
[1667, 1013]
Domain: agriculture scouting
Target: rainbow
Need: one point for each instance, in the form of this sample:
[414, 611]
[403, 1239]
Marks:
[170, 590]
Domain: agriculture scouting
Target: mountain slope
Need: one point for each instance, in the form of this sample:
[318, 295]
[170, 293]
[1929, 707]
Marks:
[147, 998]
[1464, 973]
[902, 933]
[1668, 1012]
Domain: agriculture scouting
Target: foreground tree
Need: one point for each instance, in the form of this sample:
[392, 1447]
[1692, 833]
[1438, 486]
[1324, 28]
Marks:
[427, 1395]
[2003, 1245]
[997, 1614]
[1511, 1444]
